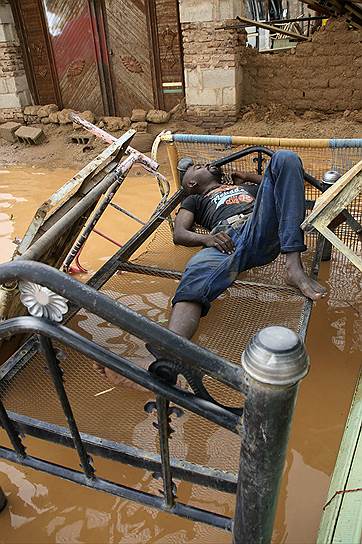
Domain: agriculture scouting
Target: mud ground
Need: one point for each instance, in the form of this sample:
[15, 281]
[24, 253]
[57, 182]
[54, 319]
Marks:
[273, 121]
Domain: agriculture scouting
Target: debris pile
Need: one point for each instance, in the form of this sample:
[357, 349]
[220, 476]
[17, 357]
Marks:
[139, 119]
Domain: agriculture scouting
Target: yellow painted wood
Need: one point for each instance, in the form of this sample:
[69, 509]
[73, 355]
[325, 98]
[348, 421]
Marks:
[172, 157]
[317, 143]
[281, 142]
[342, 518]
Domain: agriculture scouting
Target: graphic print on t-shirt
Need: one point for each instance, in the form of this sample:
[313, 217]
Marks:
[229, 195]
[220, 203]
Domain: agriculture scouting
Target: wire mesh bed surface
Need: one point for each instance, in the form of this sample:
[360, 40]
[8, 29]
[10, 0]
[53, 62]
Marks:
[146, 284]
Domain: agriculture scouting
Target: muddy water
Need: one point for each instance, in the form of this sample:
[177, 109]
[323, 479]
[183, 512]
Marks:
[44, 509]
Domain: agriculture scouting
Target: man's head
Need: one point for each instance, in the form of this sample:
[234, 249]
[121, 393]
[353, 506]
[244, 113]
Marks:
[195, 178]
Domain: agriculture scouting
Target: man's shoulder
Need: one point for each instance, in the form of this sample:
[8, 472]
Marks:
[190, 200]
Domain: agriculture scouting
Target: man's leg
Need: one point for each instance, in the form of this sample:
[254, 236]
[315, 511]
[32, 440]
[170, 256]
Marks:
[274, 226]
[278, 214]
[208, 273]
[185, 318]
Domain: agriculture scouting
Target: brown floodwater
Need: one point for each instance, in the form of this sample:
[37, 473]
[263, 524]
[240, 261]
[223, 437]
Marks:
[44, 509]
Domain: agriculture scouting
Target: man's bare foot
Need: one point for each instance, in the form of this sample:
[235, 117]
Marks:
[297, 277]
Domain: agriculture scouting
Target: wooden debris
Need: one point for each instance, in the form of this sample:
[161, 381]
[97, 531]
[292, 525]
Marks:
[331, 203]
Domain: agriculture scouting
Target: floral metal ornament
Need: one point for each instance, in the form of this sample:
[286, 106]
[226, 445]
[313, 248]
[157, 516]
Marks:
[42, 302]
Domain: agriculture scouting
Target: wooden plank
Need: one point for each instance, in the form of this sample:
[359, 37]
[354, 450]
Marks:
[131, 55]
[259, 24]
[73, 44]
[342, 518]
[40, 69]
[332, 193]
[330, 204]
[355, 259]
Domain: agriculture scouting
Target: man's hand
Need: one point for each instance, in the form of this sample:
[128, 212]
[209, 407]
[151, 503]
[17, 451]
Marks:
[221, 241]
[246, 177]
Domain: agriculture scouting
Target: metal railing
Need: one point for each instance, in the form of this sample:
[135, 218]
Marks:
[272, 366]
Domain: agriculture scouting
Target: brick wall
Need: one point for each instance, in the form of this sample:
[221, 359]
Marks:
[213, 84]
[324, 74]
[14, 91]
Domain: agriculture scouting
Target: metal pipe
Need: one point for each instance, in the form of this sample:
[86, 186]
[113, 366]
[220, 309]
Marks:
[124, 453]
[163, 425]
[56, 374]
[123, 170]
[172, 345]
[107, 237]
[126, 212]
[12, 433]
[274, 361]
[37, 249]
[261, 149]
[180, 509]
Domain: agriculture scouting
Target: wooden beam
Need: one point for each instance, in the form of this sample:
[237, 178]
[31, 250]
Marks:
[294, 35]
[334, 195]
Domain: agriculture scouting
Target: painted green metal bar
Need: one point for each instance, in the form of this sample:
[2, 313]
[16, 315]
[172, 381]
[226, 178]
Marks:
[342, 518]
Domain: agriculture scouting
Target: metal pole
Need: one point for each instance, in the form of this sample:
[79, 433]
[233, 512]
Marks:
[57, 377]
[123, 169]
[3, 500]
[329, 178]
[274, 362]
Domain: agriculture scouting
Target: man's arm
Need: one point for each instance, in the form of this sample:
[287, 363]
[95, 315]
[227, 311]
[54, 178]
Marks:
[184, 235]
[247, 177]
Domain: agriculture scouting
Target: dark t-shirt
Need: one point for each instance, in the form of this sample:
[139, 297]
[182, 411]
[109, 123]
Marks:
[220, 204]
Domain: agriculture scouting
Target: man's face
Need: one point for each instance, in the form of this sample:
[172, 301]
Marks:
[197, 178]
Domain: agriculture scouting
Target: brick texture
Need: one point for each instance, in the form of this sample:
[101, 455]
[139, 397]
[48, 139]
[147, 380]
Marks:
[211, 57]
[11, 61]
[324, 74]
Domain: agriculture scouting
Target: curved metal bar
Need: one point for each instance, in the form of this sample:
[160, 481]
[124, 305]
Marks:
[21, 325]
[170, 344]
[261, 149]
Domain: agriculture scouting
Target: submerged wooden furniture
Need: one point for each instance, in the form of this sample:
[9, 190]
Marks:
[331, 203]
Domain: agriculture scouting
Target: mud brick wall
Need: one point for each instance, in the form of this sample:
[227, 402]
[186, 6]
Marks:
[324, 74]
[14, 91]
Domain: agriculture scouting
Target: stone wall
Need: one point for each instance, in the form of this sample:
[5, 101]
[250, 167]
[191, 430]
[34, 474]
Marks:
[14, 90]
[213, 83]
[324, 74]
[212, 75]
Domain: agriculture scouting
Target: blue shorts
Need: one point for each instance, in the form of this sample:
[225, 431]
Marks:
[273, 227]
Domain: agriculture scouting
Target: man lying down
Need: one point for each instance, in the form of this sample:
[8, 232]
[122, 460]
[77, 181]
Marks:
[250, 223]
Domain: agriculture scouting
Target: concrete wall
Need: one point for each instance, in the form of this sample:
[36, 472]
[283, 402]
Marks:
[14, 90]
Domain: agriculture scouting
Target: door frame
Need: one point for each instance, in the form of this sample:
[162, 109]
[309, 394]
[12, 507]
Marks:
[154, 49]
[152, 24]
[24, 43]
